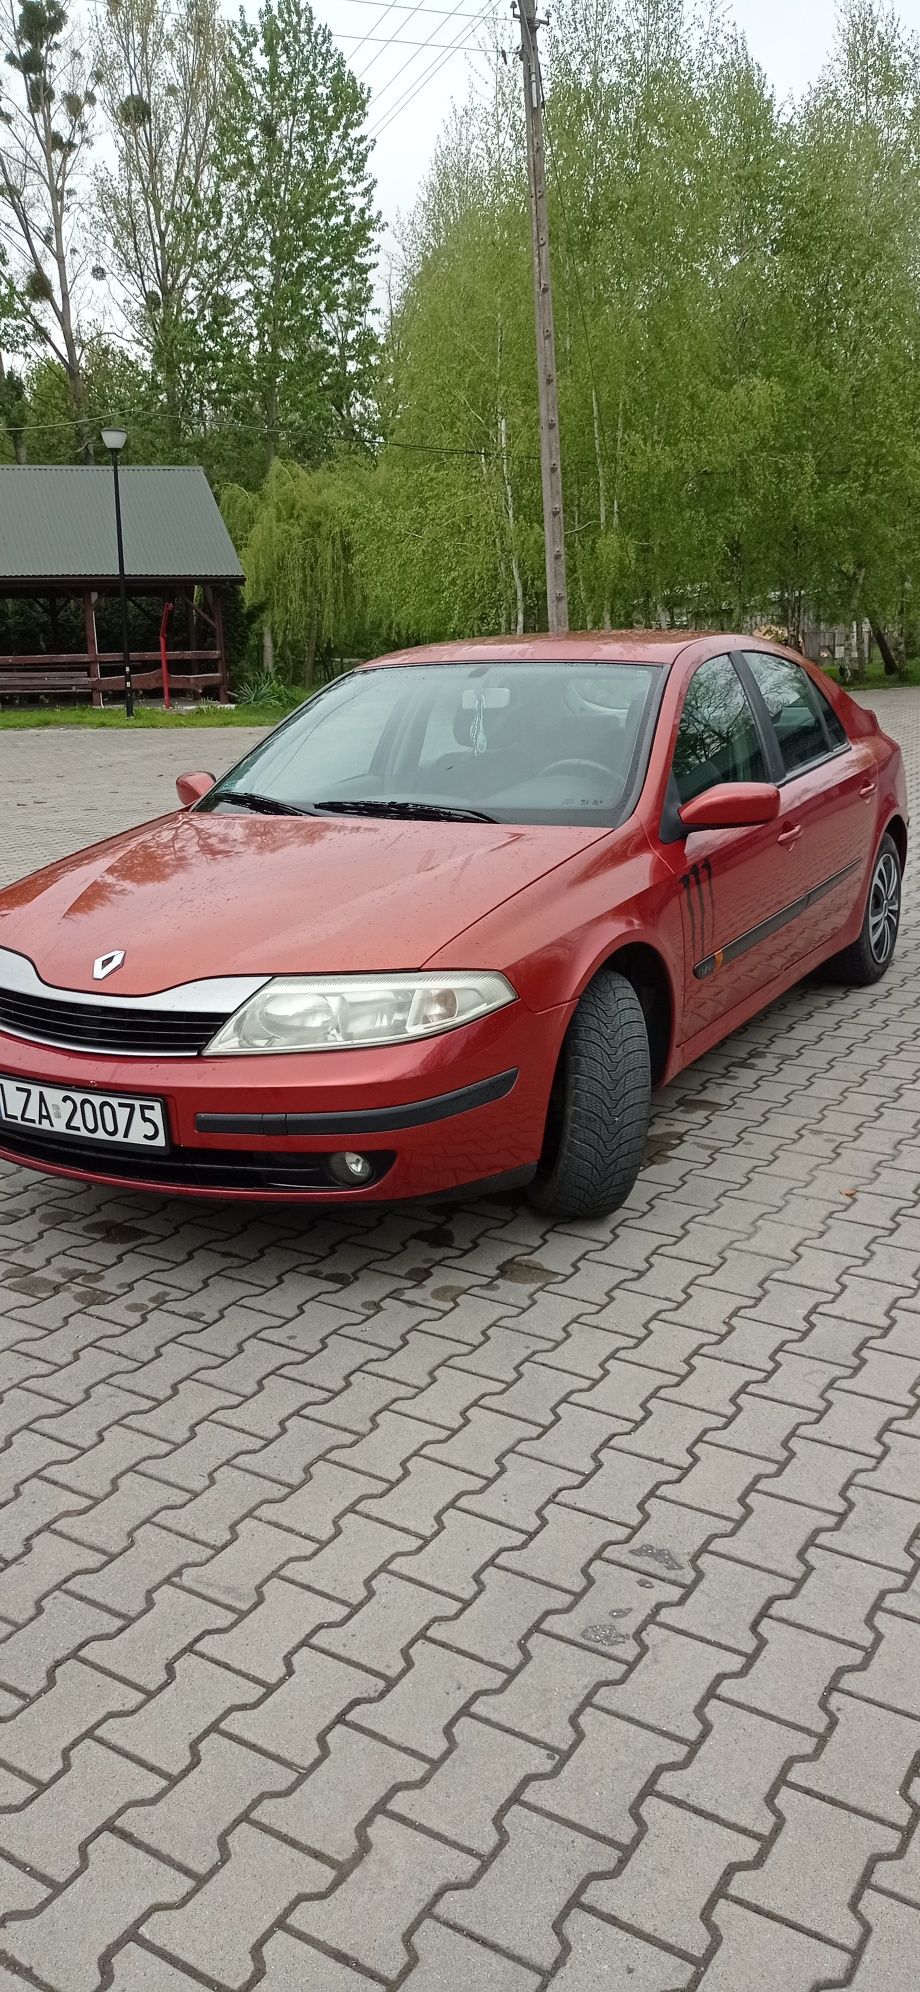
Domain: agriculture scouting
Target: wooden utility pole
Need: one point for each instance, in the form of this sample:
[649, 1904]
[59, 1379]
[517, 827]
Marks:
[557, 601]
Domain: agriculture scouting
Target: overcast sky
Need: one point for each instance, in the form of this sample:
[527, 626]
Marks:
[790, 38]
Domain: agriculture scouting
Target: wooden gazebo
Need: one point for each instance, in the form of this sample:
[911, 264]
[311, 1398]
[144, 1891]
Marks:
[58, 541]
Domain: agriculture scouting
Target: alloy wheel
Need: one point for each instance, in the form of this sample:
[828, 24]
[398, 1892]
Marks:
[884, 906]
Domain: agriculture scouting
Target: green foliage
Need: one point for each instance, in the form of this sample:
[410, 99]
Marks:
[295, 545]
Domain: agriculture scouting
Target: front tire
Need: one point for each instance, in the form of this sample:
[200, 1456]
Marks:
[599, 1110]
[867, 958]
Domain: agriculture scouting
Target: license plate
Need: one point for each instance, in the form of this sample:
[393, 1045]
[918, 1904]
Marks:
[79, 1116]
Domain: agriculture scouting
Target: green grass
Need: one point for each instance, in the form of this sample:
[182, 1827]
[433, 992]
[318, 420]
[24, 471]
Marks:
[19, 718]
[874, 680]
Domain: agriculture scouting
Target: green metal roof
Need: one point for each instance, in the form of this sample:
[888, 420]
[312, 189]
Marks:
[57, 523]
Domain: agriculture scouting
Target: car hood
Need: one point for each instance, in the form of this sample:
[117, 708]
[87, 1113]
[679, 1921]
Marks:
[203, 894]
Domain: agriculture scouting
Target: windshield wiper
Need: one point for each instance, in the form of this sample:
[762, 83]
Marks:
[261, 805]
[433, 811]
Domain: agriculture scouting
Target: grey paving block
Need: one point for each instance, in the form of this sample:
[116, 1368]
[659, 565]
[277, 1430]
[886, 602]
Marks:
[541, 1700]
[612, 1610]
[48, 1830]
[367, 1917]
[453, 1560]
[814, 1867]
[262, 1641]
[893, 1674]
[838, 1597]
[620, 1486]
[889, 1961]
[481, 1773]
[322, 1812]
[754, 1950]
[792, 1675]
[668, 1880]
[126, 1582]
[144, 1650]
[36, 1738]
[164, 1731]
[65, 1943]
[669, 1539]
[216, 1930]
[236, 1575]
[49, 1561]
[601, 1782]
[379, 1634]
[516, 1898]
[291, 1721]
[561, 1548]
[865, 1761]
[446, 1960]
[668, 1687]
[601, 1957]
[732, 1773]
[418, 1501]
[188, 1820]
[726, 1603]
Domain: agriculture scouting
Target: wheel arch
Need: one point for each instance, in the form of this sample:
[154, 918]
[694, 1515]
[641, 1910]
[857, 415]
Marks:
[897, 829]
[647, 971]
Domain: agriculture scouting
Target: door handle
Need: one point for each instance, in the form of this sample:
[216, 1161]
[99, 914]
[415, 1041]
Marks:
[869, 787]
[790, 836]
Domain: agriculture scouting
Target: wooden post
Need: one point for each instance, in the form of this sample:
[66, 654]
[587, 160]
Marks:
[218, 609]
[92, 646]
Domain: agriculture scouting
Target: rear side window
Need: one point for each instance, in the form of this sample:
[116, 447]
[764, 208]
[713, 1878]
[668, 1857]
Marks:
[717, 740]
[836, 732]
[787, 693]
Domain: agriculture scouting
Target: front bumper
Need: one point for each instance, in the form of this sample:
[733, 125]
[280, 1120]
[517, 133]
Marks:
[453, 1112]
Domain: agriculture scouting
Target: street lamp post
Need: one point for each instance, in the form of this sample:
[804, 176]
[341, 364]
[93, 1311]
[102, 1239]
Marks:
[115, 440]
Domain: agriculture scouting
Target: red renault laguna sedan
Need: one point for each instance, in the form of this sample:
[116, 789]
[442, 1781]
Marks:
[449, 923]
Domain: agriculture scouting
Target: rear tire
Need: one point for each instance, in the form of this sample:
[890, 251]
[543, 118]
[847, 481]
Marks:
[599, 1110]
[867, 958]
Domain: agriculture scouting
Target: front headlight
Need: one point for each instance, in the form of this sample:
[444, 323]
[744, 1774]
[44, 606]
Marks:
[340, 1012]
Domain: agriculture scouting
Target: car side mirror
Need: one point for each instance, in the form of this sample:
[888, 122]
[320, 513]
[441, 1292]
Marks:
[731, 806]
[191, 788]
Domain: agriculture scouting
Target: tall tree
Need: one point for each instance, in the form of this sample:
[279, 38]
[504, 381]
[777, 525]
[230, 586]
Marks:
[46, 117]
[159, 74]
[292, 231]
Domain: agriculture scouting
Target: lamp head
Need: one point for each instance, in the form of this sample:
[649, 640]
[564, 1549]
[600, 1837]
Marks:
[114, 440]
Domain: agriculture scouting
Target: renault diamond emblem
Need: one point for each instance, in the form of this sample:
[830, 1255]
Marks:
[106, 964]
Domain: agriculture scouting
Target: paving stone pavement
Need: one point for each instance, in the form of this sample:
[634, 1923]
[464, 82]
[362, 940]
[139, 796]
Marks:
[437, 1598]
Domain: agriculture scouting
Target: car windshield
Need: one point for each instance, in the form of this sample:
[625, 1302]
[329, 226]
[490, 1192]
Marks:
[546, 742]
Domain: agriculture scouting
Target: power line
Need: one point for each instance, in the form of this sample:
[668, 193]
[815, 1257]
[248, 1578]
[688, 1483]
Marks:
[398, 41]
[404, 7]
[418, 83]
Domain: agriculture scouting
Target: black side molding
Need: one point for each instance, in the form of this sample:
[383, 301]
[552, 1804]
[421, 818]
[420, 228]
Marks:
[367, 1120]
[766, 928]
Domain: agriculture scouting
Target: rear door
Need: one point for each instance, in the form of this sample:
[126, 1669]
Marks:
[735, 884]
[829, 789]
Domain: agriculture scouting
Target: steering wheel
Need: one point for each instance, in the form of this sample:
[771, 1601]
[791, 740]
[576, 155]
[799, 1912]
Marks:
[594, 767]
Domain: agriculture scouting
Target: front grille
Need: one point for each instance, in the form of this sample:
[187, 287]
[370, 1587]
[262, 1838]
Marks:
[192, 1168]
[108, 1027]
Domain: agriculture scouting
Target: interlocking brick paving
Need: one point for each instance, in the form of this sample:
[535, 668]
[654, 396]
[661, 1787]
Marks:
[438, 1598]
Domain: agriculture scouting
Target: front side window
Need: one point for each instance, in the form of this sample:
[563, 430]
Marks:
[717, 740]
[523, 742]
[787, 693]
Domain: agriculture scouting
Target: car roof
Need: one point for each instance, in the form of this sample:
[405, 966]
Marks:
[616, 646]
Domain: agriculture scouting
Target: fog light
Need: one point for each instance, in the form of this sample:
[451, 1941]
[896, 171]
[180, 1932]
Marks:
[350, 1168]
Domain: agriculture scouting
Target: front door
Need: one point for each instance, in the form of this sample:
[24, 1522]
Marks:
[735, 885]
